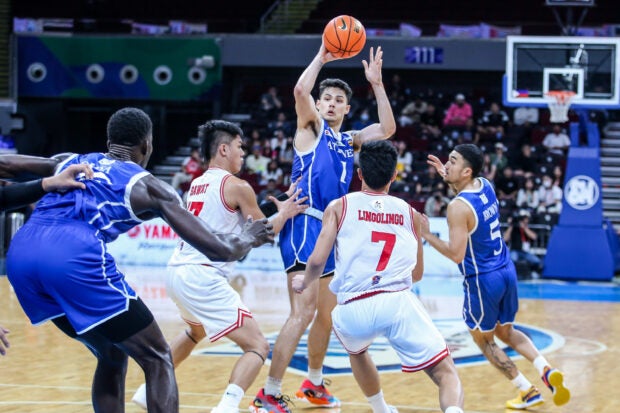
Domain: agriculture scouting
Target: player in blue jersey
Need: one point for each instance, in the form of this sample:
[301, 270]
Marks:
[490, 284]
[324, 161]
[72, 280]
[18, 195]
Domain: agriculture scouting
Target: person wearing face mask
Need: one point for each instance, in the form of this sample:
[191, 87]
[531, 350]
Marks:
[363, 120]
[550, 196]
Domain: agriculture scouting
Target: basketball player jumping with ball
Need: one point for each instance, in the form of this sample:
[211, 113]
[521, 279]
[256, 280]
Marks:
[324, 160]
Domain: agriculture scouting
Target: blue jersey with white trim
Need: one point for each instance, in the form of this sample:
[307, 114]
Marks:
[486, 250]
[326, 169]
[104, 203]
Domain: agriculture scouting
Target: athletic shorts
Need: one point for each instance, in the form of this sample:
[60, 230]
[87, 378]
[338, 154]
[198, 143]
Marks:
[399, 317]
[490, 298]
[297, 240]
[61, 267]
[204, 296]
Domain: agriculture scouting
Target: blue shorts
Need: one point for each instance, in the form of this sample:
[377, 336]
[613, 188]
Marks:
[61, 267]
[297, 240]
[490, 298]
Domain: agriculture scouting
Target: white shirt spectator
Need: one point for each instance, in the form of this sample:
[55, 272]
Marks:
[557, 141]
[523, 114]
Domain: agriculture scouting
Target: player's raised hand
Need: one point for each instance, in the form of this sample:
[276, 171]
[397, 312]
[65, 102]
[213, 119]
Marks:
[298, 283]
[68, 178]
[372, 67]
[260, 230]
[292, 206]
[326, 56]
[437, 164]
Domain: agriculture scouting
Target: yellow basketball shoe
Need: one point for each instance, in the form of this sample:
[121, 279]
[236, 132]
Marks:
[525, 399]
[554, 379]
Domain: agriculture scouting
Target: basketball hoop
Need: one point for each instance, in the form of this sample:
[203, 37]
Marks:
[559, 101]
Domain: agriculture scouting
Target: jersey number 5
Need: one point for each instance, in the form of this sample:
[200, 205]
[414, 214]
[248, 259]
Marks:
[390, 240]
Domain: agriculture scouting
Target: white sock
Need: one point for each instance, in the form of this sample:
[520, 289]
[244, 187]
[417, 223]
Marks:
[378, 404]
[521, 383]
[540, 363]
[315, 376]
[453, 409]
[273, 386]
[232, 397]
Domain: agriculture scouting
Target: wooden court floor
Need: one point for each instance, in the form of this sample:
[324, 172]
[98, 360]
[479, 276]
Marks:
[45, 372]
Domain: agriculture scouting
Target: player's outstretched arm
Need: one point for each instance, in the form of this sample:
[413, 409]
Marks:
[322, 248]
[151, 197]
[459, 215]
[24, 167]
[387, 124]
[418, 270]
[239, 194]
[67, 179]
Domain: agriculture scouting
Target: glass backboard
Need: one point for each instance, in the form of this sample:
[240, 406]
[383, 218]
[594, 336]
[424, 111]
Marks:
[587, 66]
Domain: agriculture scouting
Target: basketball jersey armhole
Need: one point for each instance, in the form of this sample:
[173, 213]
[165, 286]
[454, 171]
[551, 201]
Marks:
[317, 139]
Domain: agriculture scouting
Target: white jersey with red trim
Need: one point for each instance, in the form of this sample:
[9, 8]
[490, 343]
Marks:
[376, 246]
[205, 199]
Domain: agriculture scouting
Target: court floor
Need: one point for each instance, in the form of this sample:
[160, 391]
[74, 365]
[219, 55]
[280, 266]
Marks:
[576, 326]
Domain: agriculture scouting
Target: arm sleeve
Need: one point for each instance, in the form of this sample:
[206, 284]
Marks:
[17, 195]
[269, 208]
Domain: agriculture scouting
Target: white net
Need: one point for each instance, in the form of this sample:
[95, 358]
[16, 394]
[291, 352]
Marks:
[559, 102]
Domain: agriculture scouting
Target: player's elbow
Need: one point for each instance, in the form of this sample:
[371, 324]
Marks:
[300, 92]
[389, 130]
[417, 273]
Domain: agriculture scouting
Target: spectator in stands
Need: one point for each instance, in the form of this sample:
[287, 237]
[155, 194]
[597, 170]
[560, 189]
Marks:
[285, 159]
[457, 115]
[507, 186]
[404, 161]
[437, 204]
[274, 172]
[278, 141]
[191, 168]
[519, 236]
[412, 111]
[525, 116]
[527, 196]
[499, 158]
[489, 170]
[281, 123]
[256, 163]
[363, 120]
[524, 164]
[550, 196]
[558, 176]
[271, 189]
[430, 180]
[493, 122]
[430, 122]
[469, 134]
[397, 92]
[270, 103]
[556, 142]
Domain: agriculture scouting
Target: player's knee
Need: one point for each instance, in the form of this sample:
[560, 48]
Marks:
[197, 333]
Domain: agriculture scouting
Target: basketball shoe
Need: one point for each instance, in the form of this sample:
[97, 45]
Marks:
[525, 399]
[554, 379]
[139, 396]
[266, 403]
[318, 395]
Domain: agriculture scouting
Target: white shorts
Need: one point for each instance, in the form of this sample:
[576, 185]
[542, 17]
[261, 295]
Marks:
[398, 316]
[205, 297]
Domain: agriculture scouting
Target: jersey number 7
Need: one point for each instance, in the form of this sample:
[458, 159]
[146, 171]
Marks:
[388, 247]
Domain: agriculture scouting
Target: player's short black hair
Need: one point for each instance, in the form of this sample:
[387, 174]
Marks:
[378, 162]
[129, 127]
[215, 132]
[473, 156]
[340, 84]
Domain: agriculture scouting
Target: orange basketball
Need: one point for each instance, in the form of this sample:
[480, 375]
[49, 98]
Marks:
[344, 36]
